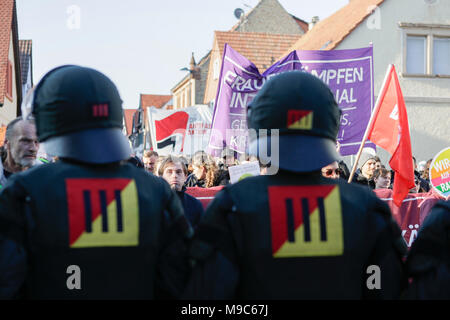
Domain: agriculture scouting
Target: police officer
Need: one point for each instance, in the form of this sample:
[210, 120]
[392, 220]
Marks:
[91, 225]
[296, 234]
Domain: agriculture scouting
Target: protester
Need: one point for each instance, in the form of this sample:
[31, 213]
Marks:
[174, 171]
[364, 175]
[344, 172]
[428, 261]
[426, 171]
[296, 234]
[19, 150]
[90, 226]
[150, 158]
[332, 171]
[205, 172]
[382, 178]
[416, 187]
[378, 164]
[423, 184]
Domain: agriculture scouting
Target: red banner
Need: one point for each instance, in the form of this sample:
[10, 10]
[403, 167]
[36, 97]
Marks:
[408, 214]
[205, 195]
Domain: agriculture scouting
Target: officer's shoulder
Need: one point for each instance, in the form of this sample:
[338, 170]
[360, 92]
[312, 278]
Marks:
[363, 199]
[439, 216]
[191, 198]
[246, 183]
[36, 172]
[143, 176]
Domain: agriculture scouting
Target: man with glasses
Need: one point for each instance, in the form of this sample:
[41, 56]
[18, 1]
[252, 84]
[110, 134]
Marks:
[332, 171]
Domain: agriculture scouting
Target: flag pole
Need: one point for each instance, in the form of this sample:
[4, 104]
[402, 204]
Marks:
[369, 125]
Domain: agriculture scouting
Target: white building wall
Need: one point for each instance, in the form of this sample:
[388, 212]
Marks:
[427, 99]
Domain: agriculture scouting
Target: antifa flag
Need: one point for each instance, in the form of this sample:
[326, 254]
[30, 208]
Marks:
[169, 129]
[179, 131]
[390, 131]
[348, 73]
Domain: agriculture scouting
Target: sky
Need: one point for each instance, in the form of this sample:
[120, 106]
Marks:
[140, 44]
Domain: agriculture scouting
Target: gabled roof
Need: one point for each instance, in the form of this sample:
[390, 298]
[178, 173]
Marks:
[266, 9]
[128, 115]
[25, 58]
[155, 100]
[328, 33]
[263, 49]
[302, 23]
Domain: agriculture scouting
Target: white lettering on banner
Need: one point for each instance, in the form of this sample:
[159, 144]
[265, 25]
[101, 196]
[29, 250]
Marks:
[228, 76]
[442, 165]
[412, 236]
[394, 113]
[239, 124]
[349, 75]
[344, 96]
[241, 100]
[240, 84]
[445, 186]
[237, 83]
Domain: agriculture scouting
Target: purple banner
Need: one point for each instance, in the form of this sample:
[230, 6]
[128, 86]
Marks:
[348, 73]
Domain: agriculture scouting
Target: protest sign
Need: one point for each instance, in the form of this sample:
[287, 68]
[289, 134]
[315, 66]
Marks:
[348, 73]
[242, 171]
[183, 131]
[440, 172]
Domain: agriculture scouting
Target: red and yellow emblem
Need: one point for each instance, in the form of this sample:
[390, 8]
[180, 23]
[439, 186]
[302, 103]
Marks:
[102, 212]
[306, 221]
[300, 119]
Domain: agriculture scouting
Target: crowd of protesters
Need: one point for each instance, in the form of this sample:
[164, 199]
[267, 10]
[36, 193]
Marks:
[20, 152]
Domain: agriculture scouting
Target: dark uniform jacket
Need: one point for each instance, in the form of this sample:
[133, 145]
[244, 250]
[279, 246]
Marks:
[121, 228]
[296, 236]
[428, 262]
[193, 208]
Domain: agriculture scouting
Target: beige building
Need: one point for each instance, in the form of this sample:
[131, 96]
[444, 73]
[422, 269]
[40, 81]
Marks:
[261, 34]
[414, 35]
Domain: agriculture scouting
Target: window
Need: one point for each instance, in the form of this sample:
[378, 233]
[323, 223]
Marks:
[426, 50]
[441, 56]
[9, 82]
[416, 55]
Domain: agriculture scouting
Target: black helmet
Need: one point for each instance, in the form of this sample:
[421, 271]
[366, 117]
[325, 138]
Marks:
[304, 110]
[78, 114]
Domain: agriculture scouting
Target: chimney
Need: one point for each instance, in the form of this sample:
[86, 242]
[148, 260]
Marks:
[192, 63]
[313, 22]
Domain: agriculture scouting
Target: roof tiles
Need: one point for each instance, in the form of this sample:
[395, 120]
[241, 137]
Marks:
[128, 114]
[263, 49]
[155, 100]
[328, 33]
[6, 16]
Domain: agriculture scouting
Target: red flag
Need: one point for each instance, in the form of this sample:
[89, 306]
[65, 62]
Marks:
[390, 131]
